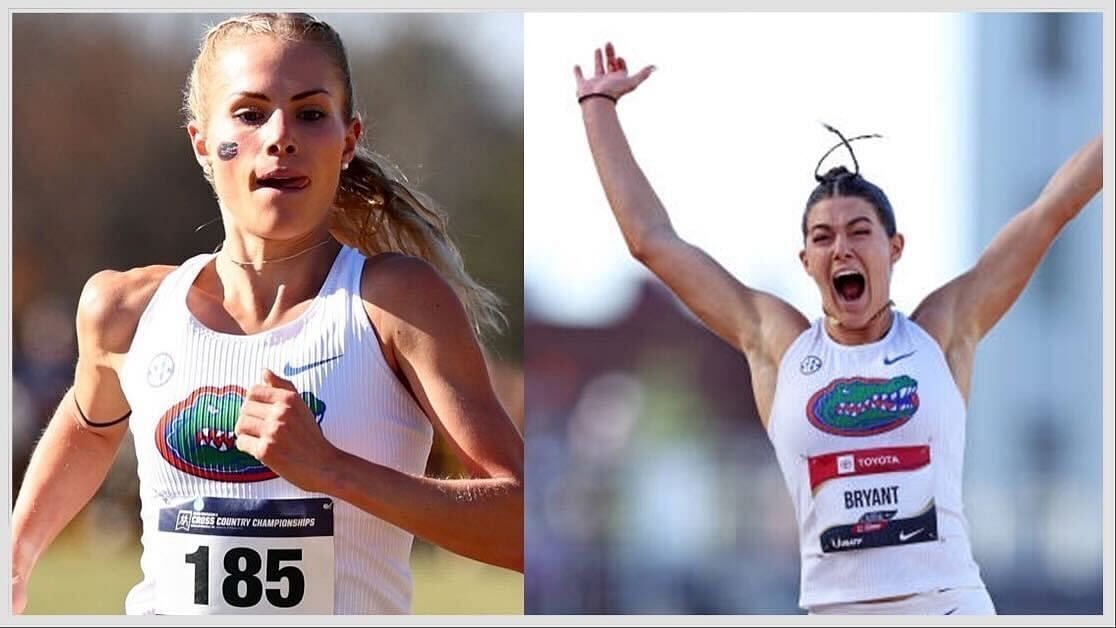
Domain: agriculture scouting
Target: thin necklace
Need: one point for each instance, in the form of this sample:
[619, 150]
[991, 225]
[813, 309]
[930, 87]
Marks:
[278, 259]
[834, 320]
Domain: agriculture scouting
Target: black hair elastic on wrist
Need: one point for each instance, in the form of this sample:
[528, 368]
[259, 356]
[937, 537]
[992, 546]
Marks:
[94, 423]
[583, 97]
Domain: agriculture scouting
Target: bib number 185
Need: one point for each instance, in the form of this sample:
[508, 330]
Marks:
[219, 556]
[242, 586]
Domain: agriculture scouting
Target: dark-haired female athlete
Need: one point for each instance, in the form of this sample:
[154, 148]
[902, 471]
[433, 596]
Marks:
[865, 406]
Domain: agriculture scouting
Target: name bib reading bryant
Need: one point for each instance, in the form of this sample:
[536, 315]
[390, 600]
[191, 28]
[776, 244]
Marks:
[874, 497]
[245, 556]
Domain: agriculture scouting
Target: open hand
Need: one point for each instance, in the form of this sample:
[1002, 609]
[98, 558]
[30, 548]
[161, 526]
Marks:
[610, 76]
[277, 428]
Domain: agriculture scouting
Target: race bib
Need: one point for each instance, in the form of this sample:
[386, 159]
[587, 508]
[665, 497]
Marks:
[874, 497]
[247, 556]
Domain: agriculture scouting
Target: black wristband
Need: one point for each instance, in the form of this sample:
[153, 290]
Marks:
[581, 99]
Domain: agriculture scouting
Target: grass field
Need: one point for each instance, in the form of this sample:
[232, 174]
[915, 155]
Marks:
[80, 575]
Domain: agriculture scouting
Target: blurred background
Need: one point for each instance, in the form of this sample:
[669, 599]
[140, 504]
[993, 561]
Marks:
[653, 487]
[103, 177]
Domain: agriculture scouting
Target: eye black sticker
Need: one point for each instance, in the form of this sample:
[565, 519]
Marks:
[227, 150]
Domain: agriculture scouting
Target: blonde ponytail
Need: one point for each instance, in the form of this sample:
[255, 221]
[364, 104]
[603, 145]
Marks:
[377, 211]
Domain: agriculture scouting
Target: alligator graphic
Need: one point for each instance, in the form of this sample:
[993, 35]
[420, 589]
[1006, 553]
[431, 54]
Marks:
[198, 436]
[860, 406]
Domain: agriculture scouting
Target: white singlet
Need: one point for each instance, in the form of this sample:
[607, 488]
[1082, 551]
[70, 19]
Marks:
[870, 439]
[959, 601]
[221, 532]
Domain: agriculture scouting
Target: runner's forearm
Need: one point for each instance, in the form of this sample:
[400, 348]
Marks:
[478, 518]
[68, 466]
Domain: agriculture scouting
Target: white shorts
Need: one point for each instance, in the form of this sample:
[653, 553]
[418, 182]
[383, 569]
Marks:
[958, 601]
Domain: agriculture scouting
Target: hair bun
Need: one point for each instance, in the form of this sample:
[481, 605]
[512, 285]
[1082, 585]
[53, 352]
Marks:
[837, 172]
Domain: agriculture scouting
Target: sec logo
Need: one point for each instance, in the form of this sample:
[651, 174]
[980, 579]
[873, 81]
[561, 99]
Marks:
[810, 364]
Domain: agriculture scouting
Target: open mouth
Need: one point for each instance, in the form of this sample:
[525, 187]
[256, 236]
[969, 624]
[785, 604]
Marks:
[285, 183]
[849, 285]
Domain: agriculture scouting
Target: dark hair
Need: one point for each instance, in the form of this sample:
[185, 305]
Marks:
[839, 181]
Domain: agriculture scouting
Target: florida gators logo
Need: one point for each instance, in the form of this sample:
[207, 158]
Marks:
[860, 406]
[197, 435]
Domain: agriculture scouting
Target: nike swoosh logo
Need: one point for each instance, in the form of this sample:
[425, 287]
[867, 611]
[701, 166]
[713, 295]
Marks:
[906, 536]
[291, 371]
[889, 361]
[952, 610]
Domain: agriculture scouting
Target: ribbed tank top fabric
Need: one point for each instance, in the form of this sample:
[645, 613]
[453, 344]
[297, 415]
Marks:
[837, 411]
[331, 353]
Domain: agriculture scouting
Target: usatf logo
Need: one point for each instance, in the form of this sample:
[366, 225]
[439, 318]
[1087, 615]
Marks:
[197, 435]
[860, 406]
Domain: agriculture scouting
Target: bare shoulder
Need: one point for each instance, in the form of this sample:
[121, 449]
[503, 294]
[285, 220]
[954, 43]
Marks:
[939, 315]
[111, 304]
[783, 324]
[413, 308]
[408, 288]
